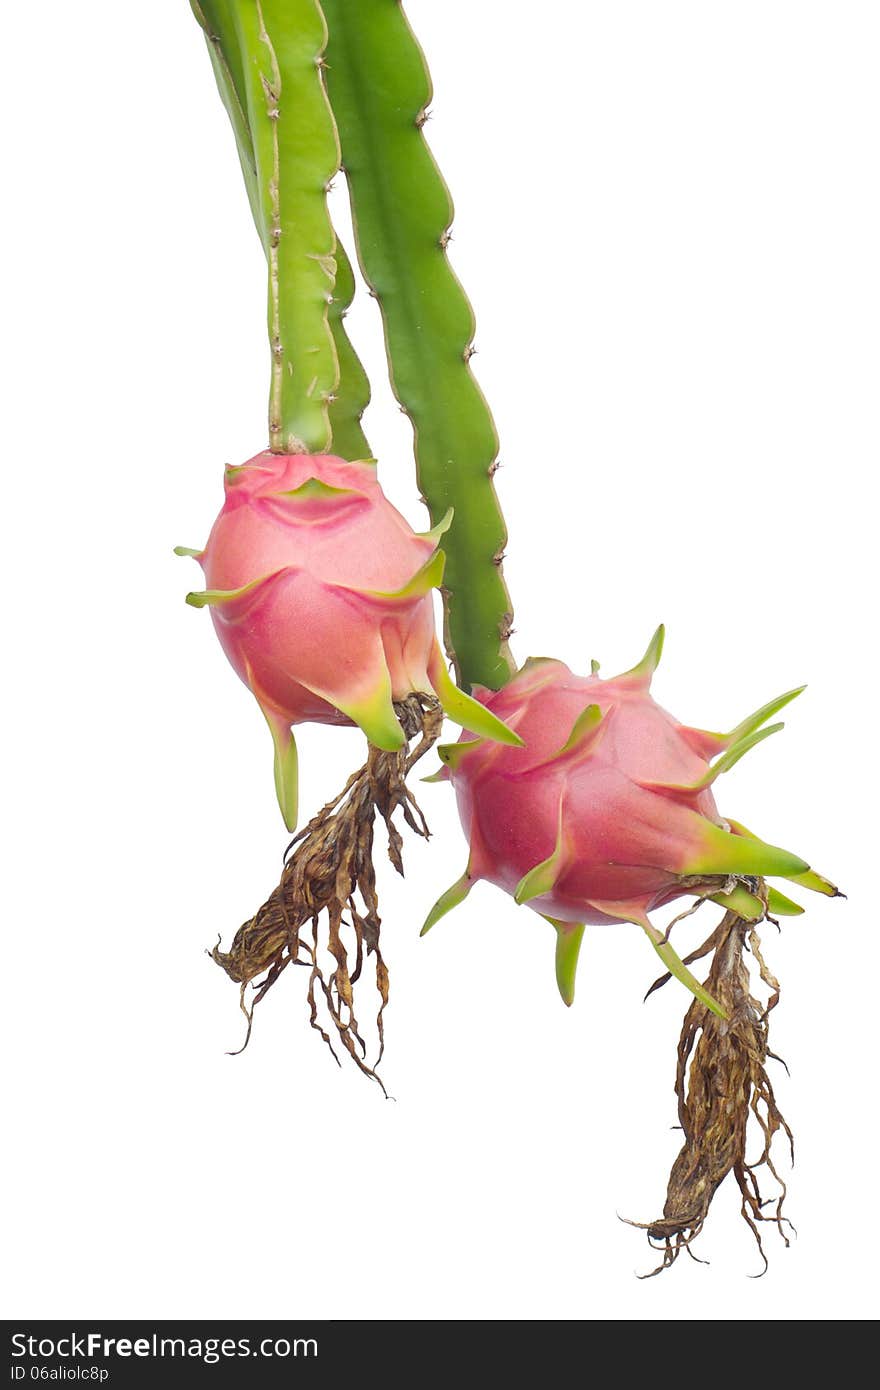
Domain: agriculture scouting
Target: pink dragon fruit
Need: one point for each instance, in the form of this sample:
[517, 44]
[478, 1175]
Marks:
[320, 593]
[607, 811]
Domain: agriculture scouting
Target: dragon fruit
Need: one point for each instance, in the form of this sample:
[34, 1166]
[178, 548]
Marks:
[320, 593]
[608, 812]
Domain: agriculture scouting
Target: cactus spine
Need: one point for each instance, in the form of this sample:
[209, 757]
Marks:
[380, 88]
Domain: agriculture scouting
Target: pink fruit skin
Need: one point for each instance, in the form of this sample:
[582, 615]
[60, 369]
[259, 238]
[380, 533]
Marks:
[322, 633]
[622, 844]
[320, 593]
[606, 811]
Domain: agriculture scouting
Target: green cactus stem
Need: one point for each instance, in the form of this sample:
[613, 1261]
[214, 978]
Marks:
[379, 88]
[268, 59]
[352, 394]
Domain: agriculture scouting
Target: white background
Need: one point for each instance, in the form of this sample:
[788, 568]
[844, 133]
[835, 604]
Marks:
[668, 222]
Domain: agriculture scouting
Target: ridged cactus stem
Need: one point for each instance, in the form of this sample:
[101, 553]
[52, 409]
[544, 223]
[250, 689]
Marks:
[379, 88]
[217, 20]
[268, 58]
[352, 395]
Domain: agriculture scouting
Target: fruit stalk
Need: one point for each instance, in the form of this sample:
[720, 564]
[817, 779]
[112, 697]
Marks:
[380, 89]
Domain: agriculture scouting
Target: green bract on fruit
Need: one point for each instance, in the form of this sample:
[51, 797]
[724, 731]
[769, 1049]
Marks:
[608, 810]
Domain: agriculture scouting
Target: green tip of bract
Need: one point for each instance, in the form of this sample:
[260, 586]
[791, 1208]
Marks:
[477, 719]
[676, 967]
[448, 900]
[584, 731]
[440, 529]
[452, 753]
[215, 598]
[778, 905]
[188, 551]
[375, 716]
[760, 716]
[651, 660]
[641, 673]
[804, 877]
[314, 490]
[741, 746]
[538, 881]
[727, 760]
[731, 756]
[429, 577]
[816, 884]
[287, 779]
[286, 765]
[749, 906]
[467, 712]
[739, 900]
[594, 668]
[544, 876]
[569, 936]
[725, 853]
[533, 663]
